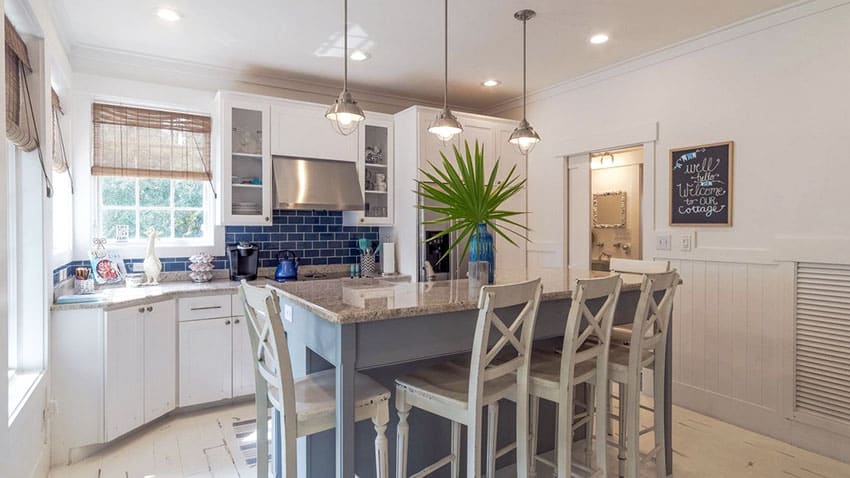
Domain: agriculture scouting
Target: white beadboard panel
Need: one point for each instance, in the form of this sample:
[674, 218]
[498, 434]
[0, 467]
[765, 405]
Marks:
[726, 331]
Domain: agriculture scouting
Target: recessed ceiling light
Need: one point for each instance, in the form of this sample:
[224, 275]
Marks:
[168, 14]
[491, 83]
[599, 39]
[358, 55]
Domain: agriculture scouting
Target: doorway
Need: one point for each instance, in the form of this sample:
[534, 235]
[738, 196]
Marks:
[616, 185]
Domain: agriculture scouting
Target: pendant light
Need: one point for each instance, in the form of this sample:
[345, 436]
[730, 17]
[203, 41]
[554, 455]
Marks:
[524, 136]
[445, 126]
[345, 114]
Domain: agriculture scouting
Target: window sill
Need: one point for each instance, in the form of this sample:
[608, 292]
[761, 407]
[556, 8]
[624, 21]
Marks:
[21, 386]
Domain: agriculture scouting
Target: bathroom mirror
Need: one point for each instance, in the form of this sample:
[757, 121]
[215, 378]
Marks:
[609, 209]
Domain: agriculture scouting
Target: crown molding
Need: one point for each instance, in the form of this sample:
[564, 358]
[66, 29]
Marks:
[134, 66]
[749, 26]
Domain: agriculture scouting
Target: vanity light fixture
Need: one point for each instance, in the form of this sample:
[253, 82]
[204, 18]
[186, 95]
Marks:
[607, 160]
[445, 126]
[345, 114]
[491, 83]
[524, 136]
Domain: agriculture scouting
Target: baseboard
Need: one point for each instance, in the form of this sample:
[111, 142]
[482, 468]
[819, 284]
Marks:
[763, 420]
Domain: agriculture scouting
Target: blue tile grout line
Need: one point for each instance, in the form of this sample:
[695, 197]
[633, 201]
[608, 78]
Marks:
[316, 237]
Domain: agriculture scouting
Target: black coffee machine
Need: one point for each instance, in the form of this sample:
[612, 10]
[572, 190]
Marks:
[244, 258]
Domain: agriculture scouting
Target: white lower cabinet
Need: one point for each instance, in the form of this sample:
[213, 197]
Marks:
[124, 394]
[140, 362]
[215, 356]
[243, 359]
[205, 360]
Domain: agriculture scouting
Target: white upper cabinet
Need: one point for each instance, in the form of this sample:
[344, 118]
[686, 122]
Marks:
[244, 166]
[301, 130]
[376, 170]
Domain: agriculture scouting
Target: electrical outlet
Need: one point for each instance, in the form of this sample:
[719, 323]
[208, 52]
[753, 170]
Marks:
[287, 312]
[686, 242]
[662, 242]
[138, 266]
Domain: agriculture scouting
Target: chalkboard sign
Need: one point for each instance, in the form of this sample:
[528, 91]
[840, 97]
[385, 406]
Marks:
[701, 185]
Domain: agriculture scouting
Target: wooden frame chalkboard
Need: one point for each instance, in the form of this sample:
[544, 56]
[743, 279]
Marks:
[701, 185]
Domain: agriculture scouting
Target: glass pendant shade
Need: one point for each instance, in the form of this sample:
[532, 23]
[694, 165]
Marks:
[345, 114]
[524, 137]
[445, 126]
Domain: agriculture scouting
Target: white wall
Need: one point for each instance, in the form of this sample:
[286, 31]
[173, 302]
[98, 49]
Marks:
[778, 87]
[25, 444]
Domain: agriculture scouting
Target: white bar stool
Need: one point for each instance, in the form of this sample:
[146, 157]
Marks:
[307, 405]
[458, 393]
[621, 334]
[583, 360]
[646, 349]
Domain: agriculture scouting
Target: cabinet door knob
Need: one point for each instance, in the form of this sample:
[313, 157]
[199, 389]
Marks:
[226, 322]
[267, 219]
[236, 321]
[141, 309]
[150, 308]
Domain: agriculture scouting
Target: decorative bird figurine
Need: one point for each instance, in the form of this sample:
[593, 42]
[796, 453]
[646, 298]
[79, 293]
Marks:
[152, 264]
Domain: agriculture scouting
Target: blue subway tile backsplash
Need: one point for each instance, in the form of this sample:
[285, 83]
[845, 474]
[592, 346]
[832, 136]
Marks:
[316, 237]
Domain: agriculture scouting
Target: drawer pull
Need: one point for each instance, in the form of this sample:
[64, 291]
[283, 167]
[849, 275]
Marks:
[150, 308]
[206, 308]
[141, 309]
[236, 321]
[227, 322]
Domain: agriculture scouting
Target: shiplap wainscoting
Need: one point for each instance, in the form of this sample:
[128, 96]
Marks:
[733, 350]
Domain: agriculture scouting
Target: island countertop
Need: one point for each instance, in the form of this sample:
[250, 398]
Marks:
[343, 302]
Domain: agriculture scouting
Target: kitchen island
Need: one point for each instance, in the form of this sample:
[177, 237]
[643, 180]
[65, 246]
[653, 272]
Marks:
[377, 325]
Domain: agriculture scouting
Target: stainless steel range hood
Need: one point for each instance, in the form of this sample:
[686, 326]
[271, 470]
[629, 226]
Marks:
[316, 184]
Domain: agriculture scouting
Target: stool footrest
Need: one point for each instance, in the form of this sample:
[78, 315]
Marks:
[434, 467]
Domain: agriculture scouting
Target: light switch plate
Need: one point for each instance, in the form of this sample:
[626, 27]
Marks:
[686, 242]
[287, 312]
[663, 242]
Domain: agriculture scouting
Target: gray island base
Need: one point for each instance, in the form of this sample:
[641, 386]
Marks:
[387, 329]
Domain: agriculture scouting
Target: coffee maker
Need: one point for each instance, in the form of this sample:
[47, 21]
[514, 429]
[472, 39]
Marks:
[244, 258]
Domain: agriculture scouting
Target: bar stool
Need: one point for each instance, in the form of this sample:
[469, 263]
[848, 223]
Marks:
[307, 405]
[554, 376]
[621, 334]
[646, 349]
[458, 393]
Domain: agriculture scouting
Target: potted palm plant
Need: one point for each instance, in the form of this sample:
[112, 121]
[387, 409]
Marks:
[469, 201]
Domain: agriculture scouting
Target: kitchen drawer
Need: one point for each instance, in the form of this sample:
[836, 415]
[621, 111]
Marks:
[206, 307]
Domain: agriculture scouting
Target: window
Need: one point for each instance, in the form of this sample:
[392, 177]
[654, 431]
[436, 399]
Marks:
[152, 168]
[175, 208]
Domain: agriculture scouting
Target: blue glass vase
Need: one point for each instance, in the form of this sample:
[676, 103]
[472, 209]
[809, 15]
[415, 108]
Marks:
[481, 250]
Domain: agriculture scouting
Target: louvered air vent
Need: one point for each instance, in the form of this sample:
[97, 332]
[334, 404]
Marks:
[823, 340]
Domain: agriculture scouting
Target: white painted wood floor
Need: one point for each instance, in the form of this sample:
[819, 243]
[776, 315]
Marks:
[203, 445]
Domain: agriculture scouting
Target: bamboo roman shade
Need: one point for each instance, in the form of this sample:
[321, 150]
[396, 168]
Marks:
[139, 142]
[20, 127]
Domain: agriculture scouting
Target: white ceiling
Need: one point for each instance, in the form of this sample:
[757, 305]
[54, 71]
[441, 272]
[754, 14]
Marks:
[403, 37]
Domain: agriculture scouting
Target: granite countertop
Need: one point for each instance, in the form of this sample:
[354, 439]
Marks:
[120, 296]
[346, 302]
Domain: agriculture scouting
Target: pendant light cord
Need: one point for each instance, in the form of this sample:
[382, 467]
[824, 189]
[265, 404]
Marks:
[446, 54]
[524, 91]
[345, 45]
